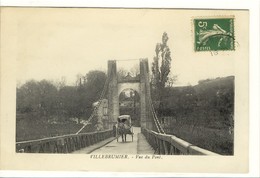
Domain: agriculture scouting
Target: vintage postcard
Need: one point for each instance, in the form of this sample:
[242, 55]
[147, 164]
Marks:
[155, 90]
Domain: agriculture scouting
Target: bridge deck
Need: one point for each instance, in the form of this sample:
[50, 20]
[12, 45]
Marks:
[111, 146]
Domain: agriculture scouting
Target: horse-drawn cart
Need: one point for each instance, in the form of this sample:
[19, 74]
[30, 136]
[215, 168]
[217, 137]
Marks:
[124, 127]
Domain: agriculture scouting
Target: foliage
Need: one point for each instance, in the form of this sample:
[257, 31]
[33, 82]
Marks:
[163, 56]
[37, 97]
[161, 68]
[128, 74]
[45, 102]
[202, 113]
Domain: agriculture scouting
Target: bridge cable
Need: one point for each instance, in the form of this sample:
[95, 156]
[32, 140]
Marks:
[156, 124]
[153, 114]
[156, 120]
[97, 106]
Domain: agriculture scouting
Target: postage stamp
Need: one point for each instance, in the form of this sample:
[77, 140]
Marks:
[214, 34]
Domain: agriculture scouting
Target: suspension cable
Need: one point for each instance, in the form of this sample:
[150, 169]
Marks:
[157, 123]
[97, 106]
[153, 115]
[156, 117]
[150, 107]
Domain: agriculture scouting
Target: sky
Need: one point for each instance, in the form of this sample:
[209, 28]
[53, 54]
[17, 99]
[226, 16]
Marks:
[54, 44]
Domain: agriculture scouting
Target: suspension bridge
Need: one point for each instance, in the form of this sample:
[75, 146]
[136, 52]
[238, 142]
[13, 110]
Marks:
[149, 138]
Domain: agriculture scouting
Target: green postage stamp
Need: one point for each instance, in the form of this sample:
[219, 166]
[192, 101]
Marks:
[214, 34]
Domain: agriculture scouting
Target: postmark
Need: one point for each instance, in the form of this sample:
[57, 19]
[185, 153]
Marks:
[214, 34]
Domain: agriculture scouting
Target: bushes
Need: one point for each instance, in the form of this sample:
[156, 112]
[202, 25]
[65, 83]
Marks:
[40, 102]
[203, 113]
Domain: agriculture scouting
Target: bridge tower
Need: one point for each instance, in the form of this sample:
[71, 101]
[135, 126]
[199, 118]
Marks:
[140, 84]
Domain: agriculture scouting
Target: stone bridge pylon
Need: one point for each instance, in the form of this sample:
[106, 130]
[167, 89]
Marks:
[140, 84]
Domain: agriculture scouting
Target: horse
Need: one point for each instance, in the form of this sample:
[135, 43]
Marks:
[123, 129]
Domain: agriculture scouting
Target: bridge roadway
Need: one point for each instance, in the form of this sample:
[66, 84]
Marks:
[111, 146]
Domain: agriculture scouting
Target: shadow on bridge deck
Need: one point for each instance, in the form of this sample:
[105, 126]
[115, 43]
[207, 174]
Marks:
[111, 146]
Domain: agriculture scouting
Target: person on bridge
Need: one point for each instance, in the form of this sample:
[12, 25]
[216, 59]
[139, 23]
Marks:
[126, 125]
[114, 129]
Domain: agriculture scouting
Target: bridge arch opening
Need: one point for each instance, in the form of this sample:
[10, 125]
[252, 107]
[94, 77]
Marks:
[139, 83]
[129, 104]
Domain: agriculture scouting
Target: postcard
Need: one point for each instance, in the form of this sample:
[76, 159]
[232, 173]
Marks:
[125, 89]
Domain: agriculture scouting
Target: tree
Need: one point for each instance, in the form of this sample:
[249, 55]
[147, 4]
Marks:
[79, 80]
[59, 84]
[135, 70]
[161, 68]
[91, 90]
[67, 102]
[171, 80]
[39, 97]
[26, 100]
[95, 81]
[48, 97]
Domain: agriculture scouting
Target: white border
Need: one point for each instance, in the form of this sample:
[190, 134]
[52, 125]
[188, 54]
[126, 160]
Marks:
[252, 5]
[213, 4]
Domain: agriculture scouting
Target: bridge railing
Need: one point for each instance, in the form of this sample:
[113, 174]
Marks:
[164, 144]
[63, 144]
